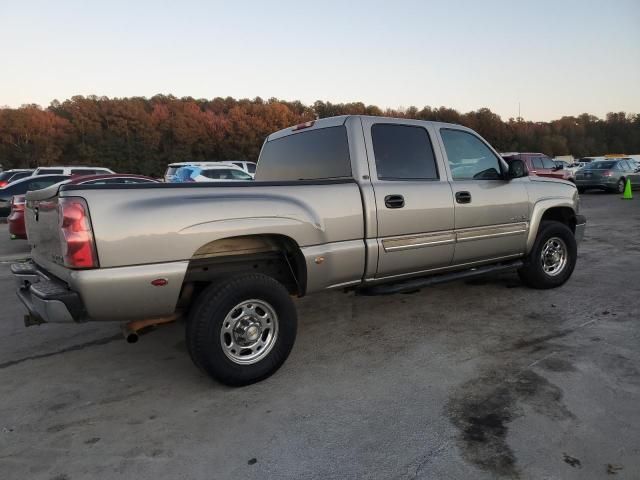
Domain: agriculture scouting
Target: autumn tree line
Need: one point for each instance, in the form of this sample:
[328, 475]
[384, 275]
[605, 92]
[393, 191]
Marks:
[141, 135]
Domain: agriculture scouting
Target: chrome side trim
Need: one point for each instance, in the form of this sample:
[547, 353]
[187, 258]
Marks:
[475, 233]
[418, 241]
[395, 244]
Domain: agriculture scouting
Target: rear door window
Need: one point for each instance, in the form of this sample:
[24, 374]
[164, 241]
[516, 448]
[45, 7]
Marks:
[403, 152]
[307, 155]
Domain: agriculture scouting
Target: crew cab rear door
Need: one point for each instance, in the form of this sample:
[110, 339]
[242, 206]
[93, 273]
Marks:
[413, 198]
[491, 211]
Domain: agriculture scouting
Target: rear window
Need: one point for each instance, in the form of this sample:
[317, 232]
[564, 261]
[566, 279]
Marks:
[600, 165]
[44, 183]
[311, 155]
[225, 174]
[50, 171]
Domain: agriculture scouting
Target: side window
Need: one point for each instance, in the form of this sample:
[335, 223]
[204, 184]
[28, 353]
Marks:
[548, 163]
[50, 171]
[403, 152]
[84, 171]
[537, 163]
[469, 158]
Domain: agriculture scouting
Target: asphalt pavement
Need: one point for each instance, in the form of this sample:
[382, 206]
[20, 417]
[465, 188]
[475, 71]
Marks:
[481, 379]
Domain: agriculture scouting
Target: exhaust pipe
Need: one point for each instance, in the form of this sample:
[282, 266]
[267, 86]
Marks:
[132, 330]
[130, 335]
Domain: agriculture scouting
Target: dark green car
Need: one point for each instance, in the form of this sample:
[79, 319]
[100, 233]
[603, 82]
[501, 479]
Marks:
[610, 175]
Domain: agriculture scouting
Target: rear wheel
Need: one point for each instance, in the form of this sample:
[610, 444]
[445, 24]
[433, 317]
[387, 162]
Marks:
[241, 331]
[620, 186]
[552, 258]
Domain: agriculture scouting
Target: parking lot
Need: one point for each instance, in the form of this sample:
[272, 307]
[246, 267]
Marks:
[481, 379]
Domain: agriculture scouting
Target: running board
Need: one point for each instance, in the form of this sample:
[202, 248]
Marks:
[413, 284]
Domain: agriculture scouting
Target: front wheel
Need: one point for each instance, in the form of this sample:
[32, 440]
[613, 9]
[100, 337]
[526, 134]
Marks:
[552, 258]
[241, 331]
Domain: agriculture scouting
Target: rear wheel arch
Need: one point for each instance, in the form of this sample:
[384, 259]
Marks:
[274, 255]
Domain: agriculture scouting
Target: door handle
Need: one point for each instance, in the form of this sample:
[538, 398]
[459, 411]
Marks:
[394, 201]
[463, 197]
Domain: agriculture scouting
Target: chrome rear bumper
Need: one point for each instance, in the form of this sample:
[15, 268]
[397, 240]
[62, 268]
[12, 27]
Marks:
[46, 298]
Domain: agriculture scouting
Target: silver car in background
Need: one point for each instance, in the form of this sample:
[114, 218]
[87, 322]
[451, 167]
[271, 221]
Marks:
[610, 175]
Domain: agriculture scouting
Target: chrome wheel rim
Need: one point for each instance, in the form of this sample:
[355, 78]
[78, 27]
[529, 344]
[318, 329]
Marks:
[554, 256]
[620, 186]
[249, 332]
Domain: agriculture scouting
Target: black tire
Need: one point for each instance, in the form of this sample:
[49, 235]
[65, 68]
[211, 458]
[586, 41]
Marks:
[205, 325]
[581, 189]
[533, 274]
[620, 186]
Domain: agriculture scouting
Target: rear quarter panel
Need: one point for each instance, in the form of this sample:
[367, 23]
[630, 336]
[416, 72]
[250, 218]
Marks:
[135, 226]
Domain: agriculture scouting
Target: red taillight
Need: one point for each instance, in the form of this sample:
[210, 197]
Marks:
[607, 173]
[78, 248]
[3, 183]
[17, 203]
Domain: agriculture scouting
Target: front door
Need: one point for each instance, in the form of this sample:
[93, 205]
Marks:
[413, 198]
[491, 213]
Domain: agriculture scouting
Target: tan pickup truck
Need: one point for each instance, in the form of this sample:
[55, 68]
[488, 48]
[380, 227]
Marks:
[372, 204]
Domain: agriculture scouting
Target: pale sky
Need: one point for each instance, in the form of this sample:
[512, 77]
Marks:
[556, 58]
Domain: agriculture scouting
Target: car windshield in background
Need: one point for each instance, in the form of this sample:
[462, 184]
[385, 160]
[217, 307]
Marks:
[600, 165]
[225, 174]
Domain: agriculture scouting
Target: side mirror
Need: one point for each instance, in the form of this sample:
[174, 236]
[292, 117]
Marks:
[517, 169]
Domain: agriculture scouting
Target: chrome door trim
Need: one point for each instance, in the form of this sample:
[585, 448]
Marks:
[396, 244]
[476, 233]
[408, 242]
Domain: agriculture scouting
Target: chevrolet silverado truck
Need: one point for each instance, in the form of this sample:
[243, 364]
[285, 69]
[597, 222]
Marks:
[371, 204]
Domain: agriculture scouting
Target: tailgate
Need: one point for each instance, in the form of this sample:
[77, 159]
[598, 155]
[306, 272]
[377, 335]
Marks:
[42, 224]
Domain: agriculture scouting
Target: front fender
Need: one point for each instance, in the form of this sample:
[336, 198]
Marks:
[538, 211]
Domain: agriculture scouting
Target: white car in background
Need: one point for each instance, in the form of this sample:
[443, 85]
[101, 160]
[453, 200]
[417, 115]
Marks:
[221, 172]
[249, 167]
[172, 168]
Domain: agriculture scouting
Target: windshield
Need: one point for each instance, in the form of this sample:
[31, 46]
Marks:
[599, 165]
